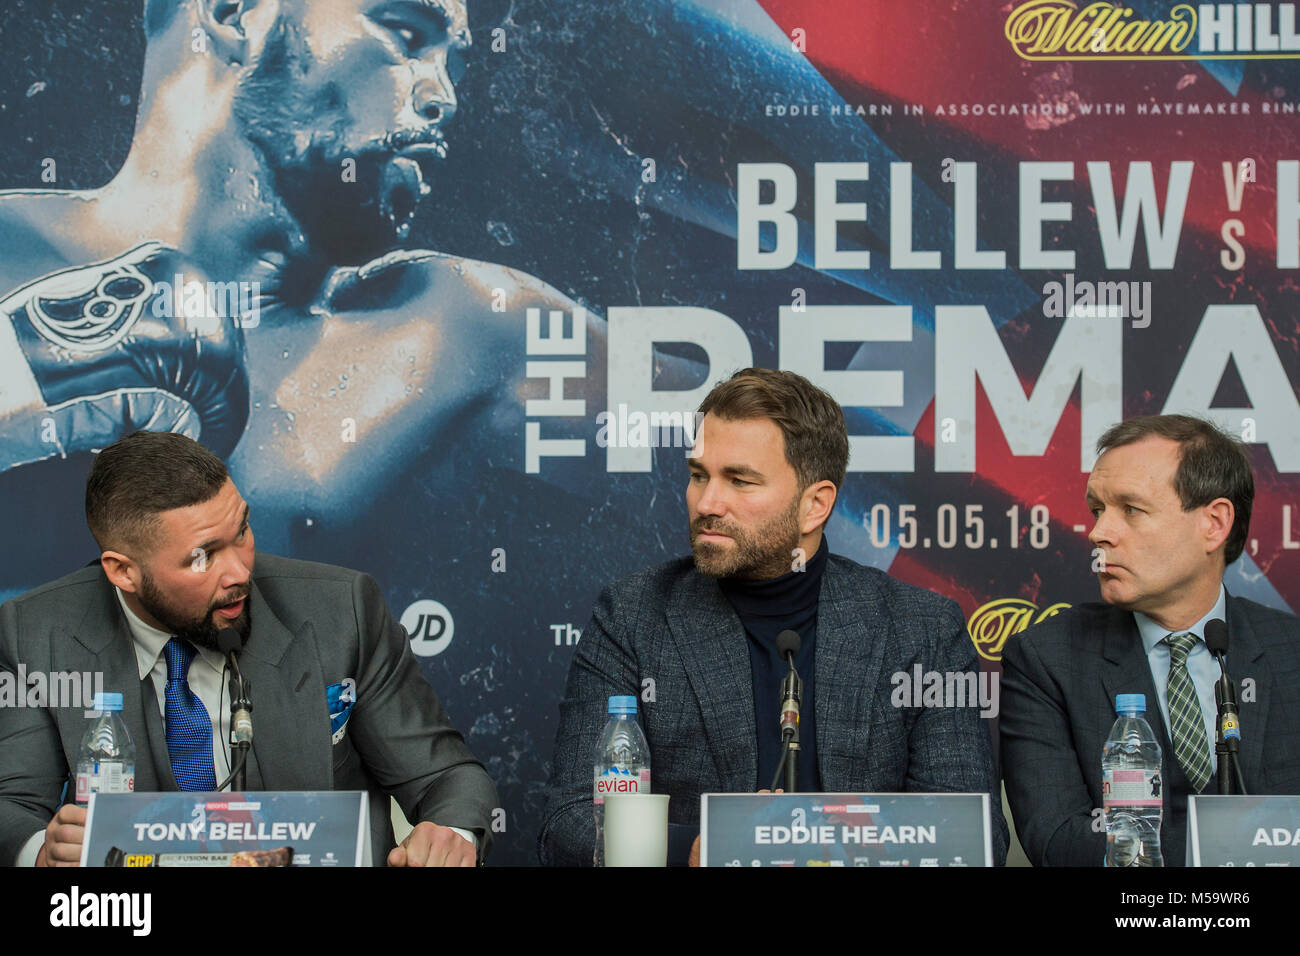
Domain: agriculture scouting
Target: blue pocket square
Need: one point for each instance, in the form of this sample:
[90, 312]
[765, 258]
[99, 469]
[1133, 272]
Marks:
[341, 698]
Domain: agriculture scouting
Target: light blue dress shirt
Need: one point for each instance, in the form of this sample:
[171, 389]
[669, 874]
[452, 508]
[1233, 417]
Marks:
[1201, 667]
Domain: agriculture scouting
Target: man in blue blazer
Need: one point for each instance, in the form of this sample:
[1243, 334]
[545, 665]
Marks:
[695, 639]
[339, 702]
[1172, 498]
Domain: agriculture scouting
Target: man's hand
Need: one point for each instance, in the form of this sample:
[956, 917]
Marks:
[695, 847]
[63, 837]
[431, 845]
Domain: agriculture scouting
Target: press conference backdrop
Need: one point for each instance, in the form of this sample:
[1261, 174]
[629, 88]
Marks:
[990, 230]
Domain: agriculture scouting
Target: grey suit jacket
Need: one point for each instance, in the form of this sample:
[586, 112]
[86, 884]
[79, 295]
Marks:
[313, 626]
[1059, 682]
[672, 626]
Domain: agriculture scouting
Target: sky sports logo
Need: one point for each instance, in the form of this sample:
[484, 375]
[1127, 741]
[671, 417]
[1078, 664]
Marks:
[76, 909]
[1065, 30]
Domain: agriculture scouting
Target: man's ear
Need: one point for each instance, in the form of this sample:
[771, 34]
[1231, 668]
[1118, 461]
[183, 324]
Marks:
[227, 25]
[1216, 522]
[121, 571]
[818, 500]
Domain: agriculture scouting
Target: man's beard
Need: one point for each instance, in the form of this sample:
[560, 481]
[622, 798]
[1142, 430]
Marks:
[764, 553]
[200, 631]
[301, 134]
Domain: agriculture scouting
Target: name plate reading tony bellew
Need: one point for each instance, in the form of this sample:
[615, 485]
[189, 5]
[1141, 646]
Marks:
[269, 828]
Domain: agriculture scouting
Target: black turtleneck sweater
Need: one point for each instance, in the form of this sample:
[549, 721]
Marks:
[766, 608]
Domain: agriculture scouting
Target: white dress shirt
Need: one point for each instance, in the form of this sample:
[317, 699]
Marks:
[206, 678]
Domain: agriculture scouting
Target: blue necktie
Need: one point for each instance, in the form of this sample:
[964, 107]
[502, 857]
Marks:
[189, 729]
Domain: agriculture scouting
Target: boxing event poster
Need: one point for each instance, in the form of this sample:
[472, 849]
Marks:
[438, 314]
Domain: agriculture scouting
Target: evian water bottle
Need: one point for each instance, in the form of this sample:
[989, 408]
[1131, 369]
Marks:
[622, 763]
[1131, 787]
[106, 760]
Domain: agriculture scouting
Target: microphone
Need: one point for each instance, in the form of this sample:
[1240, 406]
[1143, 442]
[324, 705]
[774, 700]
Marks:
[787, 645]
[1227, 734]
[229, 642]
[1216, 637]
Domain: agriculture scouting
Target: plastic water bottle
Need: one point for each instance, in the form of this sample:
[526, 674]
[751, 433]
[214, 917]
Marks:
[1132, 787]
[106, 760]
[622, 763]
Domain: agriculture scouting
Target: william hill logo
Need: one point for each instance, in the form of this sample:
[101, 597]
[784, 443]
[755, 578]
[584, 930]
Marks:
[1062, 30]
[991, 625]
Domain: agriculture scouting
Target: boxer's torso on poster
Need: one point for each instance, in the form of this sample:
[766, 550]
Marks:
[405, 354]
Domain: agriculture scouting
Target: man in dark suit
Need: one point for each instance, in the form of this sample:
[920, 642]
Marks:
[695, 639]
[1172, 497]
[338, 699]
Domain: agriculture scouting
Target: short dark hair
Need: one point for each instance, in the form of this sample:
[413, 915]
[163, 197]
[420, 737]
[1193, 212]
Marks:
[1212, 464]
[816, 438]
[137, 477]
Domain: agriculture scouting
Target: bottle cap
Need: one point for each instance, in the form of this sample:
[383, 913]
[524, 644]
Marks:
[105, 702]
[1130, 703]
[622, 705]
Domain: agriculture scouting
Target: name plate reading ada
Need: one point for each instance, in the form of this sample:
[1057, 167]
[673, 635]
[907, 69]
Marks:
[271, 828]
[845, 829]
[1243, 831]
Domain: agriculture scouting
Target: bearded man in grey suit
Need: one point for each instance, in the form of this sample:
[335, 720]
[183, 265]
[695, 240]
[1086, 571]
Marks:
[770, 455]
[1172, 497]
[340, 702]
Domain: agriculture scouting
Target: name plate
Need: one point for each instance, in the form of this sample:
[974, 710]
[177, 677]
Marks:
[270, 828]
[1243, 831]
[845, 829]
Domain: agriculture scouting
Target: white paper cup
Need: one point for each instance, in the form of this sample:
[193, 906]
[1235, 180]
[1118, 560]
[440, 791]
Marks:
[636, 829]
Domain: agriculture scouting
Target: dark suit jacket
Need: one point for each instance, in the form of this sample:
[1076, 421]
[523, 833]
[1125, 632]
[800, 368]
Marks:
[673, 626]
[1059, 682]
[313, 625]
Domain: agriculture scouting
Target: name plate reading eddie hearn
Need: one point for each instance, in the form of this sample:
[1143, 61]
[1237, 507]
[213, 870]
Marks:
[272, 828]
[1243, 830]
[845, 829]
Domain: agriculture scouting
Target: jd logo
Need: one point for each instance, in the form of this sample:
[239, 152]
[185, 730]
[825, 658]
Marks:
[430, 627]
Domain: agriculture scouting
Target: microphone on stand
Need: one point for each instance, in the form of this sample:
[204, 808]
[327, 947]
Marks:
[787, 645]
[1227, 733]
[229, 642]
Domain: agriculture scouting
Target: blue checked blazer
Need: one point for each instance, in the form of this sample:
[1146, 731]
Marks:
[1059, 682]
[673, 626]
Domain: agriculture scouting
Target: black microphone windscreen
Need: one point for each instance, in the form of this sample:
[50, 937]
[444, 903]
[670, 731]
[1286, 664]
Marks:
[788, 642]
[228, 639]
[1216, 636]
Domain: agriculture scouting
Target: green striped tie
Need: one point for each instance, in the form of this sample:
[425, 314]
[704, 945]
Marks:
[1190, 746]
